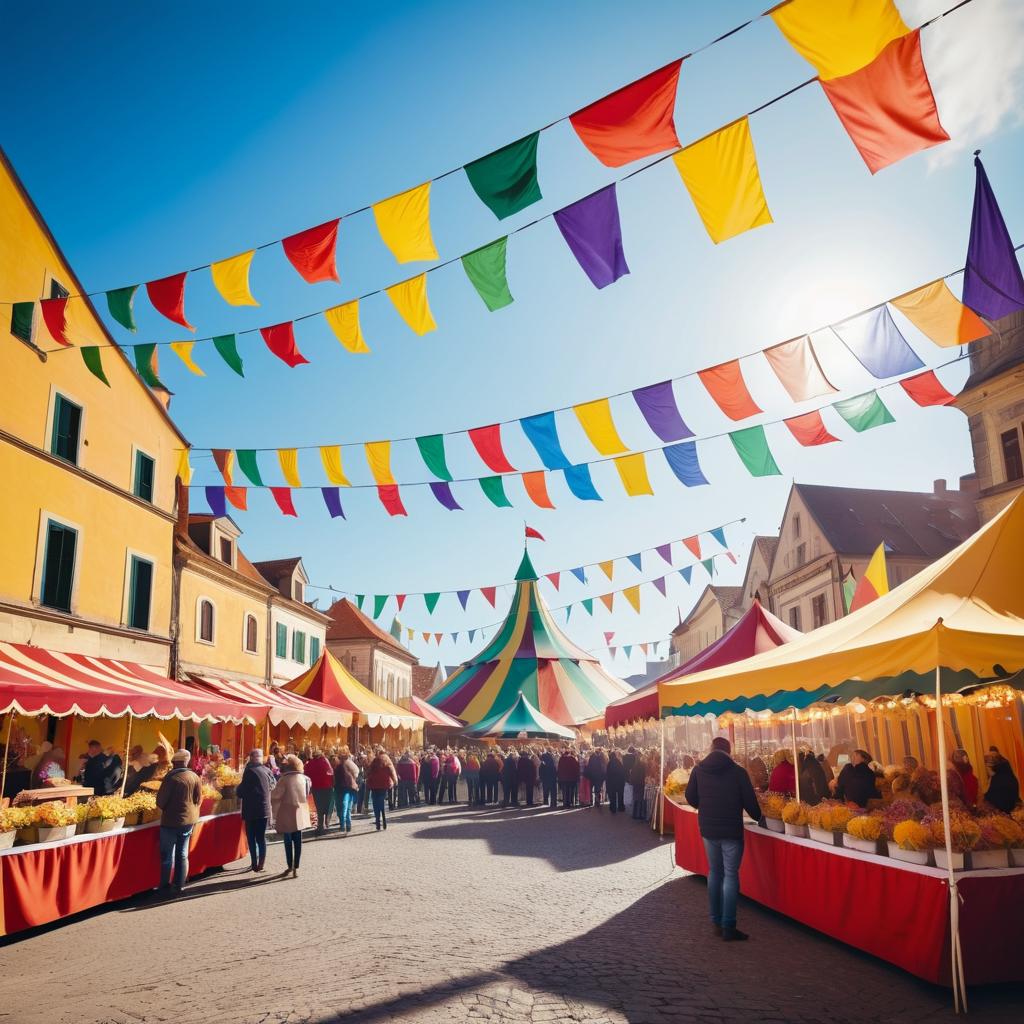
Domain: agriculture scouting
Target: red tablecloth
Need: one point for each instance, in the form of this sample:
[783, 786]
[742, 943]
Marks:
[42, 883]
[896, 911]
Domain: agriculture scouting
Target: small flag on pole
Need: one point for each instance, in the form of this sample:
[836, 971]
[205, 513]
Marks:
[532, 534]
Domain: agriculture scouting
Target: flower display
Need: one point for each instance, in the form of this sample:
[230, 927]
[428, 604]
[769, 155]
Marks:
[210, 792]
[999, 832]
[55, 815]
[899, 811]
[796, 812]
[829, 816]
[772, 804]
[865, 826]
[109, 808]
[910, 834]
[675, 784]
[964, 831]
[13, 818]
[225, 775]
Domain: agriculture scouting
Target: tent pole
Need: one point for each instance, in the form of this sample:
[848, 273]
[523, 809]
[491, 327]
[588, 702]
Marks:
[796, 758]
[7, 753]
[127, 749]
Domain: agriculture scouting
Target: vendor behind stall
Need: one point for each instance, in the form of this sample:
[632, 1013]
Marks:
[102, 771]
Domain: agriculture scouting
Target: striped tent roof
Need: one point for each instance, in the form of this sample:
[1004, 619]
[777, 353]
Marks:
[530, 655]
[521, 721]
[434, 716]
[329, 682]
[279, 707]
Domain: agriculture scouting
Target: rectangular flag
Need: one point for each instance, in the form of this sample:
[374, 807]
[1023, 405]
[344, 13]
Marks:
[936, 312]
[752, 447]
[410, 299]
[796, 365]
[878, 345]
[596, 419]
[404, 224]
[657, 403]
[506, 180]
[593, 233]
[725, 384]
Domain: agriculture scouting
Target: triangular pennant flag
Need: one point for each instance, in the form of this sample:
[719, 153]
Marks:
[864, 412]
[330, 457]
[168, 298]
[227, 348]
[632, 470]
[248, 464]
[472, 635]
[360, 598]
[432, 452]
[183, 350]
[506, 180]
[231, 279]
[874, 583]
[430, 600]
[378, 458]
[942, 318]
[404, 224]
[665, 550]
[391, 499]
[588, 605]
[659, 585]
[410, 299]
[926, 389]
[596, 419]
[725, 384]
[283, 497]
[580, 483]
[580, 574]
[709, 565]
[438, 637]
[487, 272]
[609, 635]
[608, 568]
[400, 598]
[686, 572]
[442, 491]
[494, 489]
[426, 638]
[632, 595]
[379, 601]
[542, 432]
[643, 649]
[145, 364]
[682, 460]
[637, 561]
[720, 173]
[809, 429]
[455, 638]
[612, 651]
[731, 557]
[280, 339]
[490, 594]
[463, 596]
[751, 446]
[657, 403]
[94, 361]
[344, 321]
[692, 544]
[332, 499]
[311, 252]
[537, 488]
[288, 459]
[719, 534]
[608, 600]
[215, 498]
[876, 342]
[487, 442]
[238, 496]
[529, 533]
[553, 578]
[591, 229]
[121, 306]
[634, 121]
[796, 365]
[55, 317]
[184, 471]
[627, 649]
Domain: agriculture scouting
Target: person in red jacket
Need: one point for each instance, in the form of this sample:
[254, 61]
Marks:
[380, 777]
[408, 771]
[568, 777]
[527, 775]
[783, 777]
[321, 777]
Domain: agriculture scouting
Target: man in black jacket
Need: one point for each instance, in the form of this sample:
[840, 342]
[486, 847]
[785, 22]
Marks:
[721, 791]
[102, 770]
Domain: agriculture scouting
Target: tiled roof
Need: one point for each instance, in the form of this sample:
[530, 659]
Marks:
[423, 679]
[349, 623]
[277, 568]
[727, 598]
[767, 547]
[243, 567]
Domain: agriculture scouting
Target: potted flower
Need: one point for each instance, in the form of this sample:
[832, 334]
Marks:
[826, 822]
[23, 821]
[999, 834]
[210, 799]
[81, 818]
[107, 813]
[911, 842]
[55, 821]
[863, 833]
[794, 817]
[11, 819]
[771, 807]
[226, 779]
[964, 834]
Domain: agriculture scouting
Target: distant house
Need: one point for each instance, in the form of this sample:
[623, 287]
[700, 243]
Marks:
[426, 679]
[717, 610]
[759, 567]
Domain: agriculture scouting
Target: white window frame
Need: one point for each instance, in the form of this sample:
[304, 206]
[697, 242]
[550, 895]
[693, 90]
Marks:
[37, 585]
[245, 633]
[136, 450]
[51, 405]
[199, 620]
[125, 592]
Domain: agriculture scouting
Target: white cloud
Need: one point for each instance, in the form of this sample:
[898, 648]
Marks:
[975, 60]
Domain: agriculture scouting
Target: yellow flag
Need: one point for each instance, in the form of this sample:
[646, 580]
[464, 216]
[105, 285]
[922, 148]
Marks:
[184, 467]
[632, 595]
[378, 456]
[330, 456]
[289, 460]
[183, 350]
[410, 299]
[633, 473]
[937, 313]
[231, 279]
[839, 36]
[720, 173]
[596, 420]
[608, 568]
[344, 321]
[404, 223]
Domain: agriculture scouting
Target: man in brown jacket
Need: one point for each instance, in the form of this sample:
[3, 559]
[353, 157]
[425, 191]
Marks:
[178, 798]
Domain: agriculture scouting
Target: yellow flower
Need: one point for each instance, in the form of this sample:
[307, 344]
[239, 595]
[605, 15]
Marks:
[864, 826]
[53, 815]
[912, 835]
[795, 813]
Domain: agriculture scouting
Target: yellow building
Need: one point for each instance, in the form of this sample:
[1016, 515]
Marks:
[88, 471]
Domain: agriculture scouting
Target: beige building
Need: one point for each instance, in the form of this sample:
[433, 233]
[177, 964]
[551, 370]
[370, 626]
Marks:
[759, 568]
[717, 610]
[993, 401]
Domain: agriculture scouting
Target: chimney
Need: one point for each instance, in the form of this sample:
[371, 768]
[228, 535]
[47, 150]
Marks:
[939, 488]
[181, 495]
[970, 484]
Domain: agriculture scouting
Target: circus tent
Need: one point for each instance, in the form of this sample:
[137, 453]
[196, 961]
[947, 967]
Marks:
[530, 655]
[521, 721]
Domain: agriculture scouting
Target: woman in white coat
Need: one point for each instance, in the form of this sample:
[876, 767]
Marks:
[290, 802]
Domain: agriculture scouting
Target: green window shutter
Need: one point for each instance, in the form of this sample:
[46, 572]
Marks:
[67, 422]
[282, 640]
[314, 650]
[58, 566]
[298, 647]
[140, 591]
[142, 486]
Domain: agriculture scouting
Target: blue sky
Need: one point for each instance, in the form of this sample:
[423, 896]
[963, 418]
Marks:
[157, 138]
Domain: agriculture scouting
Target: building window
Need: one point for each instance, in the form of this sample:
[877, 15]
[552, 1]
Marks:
[140, 592]
[796, 526]
[57, 290]
[297, 587]
[299, 647]
[142, 479]
[818, 610]
[67, 426]
[281, 640]
[794, 616]
[225, 550]
[1011, 456]
[251, 639]
[314, 650]
[206, 620]
[22, 320]
[801, 554]
[59, 566]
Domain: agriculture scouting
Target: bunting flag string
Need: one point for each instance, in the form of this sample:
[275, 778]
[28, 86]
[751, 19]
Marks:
[883, 98]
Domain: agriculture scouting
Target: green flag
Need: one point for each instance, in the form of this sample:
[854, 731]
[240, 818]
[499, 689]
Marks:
[506, 180]
[92, 359]
[120, 302]
[379, 600]
[485, 268]
[709, 564]
[360, 598]
[588, 605]
[228, 350]
[22, 316]
[752, 447]
[494, 488]
[248, 465]
[430, 600]
[864, 411]
[849, 589]
[432, 450]
[144, 364]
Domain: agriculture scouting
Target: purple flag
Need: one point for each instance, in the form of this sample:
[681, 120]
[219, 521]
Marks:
[993, 286]
[876, 342]
[592, 230]
[665, 550]
[443, 492]
[659, 585]
[332, 499]
[463, 598]
[658, 404]
[216, 500]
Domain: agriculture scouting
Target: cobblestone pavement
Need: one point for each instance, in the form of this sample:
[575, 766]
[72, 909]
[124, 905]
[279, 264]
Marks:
[450, 916]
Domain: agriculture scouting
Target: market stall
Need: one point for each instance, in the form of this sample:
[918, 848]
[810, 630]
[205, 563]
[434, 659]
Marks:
[935, 646]
[438, 724]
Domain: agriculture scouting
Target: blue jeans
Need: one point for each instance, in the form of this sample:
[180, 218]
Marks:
[174, 854]
[379, 798]
[724, 856]
[256, 833]
[292, 848]
[346, 798]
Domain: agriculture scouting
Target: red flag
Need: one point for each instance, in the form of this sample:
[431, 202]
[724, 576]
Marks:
[926, 389]
[531, 532]
[237, 496]
[283, 497]
[693, 544]
[888, 108]
[280, 340]
[608, 637]
[437, 637]
[809, 429]
[168, 297]
[554, 578]
[391, 499]
[489, 593]
[54, 316]
[633, 122]
[311, 252]
[487, 442]
[400, 598]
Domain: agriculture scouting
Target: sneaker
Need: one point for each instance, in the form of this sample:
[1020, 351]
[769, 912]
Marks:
[734, 935]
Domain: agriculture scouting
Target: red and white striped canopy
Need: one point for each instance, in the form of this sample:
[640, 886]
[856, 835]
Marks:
[34, 681]
[434, 716]
[280, 707]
